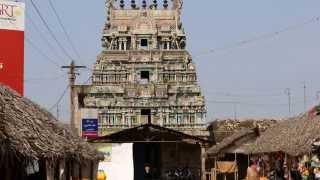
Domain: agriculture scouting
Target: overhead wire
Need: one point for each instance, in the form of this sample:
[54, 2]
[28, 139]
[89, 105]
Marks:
[36, 48]
[64, 29]
[261, 37]
[252, 104]
[29, 79]
[50, 30]
[227, 94]
[41, 35]
[60, 98]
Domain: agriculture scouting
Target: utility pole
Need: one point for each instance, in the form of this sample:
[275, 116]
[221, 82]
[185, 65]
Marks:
[58, 111]
[288, 93]
[72, 80]
[305, 96]
[318, 96]
[235, 112]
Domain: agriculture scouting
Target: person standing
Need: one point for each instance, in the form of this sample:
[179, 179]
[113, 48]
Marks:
[279, 168]
[252, 171]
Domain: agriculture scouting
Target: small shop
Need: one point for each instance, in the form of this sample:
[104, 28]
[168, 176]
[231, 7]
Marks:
[289, 150]
[151, 152]
[229, 159]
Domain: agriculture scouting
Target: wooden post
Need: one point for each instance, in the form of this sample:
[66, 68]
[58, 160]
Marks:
[92, 170]
[215, 169]
[236, 170]
[203, 163]
[80, 171]
[72, 169]
[67, 169]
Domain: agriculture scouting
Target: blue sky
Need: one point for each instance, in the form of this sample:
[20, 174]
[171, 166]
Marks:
[248, 81]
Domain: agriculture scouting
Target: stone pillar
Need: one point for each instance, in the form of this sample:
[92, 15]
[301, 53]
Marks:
[168, 45]
[120, 44]
[125, 42]
[123, 120]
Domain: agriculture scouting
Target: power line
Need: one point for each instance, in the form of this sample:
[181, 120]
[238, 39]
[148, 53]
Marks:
[261, 37]
[46, 57]
[252, 104]
[50, 31]
[60, 99]
[288, 92]
[64, 29]
[87, 81]
[28, 79]
[227, 94]
[43, 37]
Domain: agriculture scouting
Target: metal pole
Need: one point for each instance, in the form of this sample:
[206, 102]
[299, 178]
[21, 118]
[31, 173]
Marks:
[318, 96]
[305, 95]
[288, 92]
[235, 111]
[58, 113]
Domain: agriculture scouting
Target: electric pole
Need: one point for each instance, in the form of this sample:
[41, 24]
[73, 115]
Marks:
[235, 112]
[288, 93]
[318, 96]
[72, 79]
[58, 111]
[305, 96]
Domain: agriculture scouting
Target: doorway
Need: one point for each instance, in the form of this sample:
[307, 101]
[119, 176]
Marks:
[146, 154]
[146, 116]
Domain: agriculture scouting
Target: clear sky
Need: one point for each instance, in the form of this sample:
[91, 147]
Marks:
[248, 80]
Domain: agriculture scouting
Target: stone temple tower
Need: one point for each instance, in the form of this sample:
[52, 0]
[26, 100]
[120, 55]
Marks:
[144, 74]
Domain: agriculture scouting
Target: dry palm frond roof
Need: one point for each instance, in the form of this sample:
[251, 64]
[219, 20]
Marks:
[33, 133]
[223, 128]
[231, 141]
[294, 136]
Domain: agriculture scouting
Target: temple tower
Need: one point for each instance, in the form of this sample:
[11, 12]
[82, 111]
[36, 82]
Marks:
[144, 74]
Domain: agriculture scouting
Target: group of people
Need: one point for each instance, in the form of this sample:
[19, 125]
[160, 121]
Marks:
[260, 170]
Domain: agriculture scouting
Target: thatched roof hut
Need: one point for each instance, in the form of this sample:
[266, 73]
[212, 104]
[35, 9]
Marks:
[294, 137]
[223, 128]
[233, 143]
[29, 133]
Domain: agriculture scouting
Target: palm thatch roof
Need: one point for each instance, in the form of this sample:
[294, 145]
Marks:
[29, 132]
[223, 128]
[294, 137]
[235, 141]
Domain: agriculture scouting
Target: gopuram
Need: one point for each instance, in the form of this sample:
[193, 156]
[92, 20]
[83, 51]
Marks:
[144, 75]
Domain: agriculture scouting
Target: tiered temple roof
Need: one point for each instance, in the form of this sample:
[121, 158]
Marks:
[144, 75]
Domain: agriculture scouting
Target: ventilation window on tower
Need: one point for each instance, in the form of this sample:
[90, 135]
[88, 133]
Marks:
[144, 77]
[144, 44]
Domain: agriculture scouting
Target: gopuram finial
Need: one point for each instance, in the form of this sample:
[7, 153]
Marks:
[155, 4]
[122, 4]
[144, 3]
[133, 4]
[165, 4]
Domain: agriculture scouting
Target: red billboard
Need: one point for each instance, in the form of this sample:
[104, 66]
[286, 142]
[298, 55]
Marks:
[12, 45]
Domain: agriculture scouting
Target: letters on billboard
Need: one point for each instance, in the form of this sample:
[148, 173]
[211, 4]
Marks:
[12, 45]
[12, 15]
